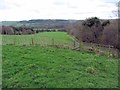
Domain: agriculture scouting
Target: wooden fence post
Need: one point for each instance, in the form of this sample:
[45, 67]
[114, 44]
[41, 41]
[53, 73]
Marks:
[109, 50]
[14, 42]
[53, 42]
[32, 41]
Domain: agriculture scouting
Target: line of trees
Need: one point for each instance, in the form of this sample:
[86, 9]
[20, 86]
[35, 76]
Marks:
[95, 30]
[50, 30]
[10, 30]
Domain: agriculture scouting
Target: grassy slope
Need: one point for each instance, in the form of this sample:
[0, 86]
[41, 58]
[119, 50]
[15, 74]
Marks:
[35, 66]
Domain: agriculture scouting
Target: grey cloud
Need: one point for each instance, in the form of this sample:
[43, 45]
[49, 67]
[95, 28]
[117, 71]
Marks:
[112, 1]
[83, 12]
[107, 4]
[118, 4]
[73, 7]
[2, 5]
[16, 5]
[115, 12]
[59, 3]
[62, 3]
[91, 12]
[36, 11]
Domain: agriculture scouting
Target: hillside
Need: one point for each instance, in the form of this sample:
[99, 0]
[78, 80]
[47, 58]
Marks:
[10, 23]
[40, 23]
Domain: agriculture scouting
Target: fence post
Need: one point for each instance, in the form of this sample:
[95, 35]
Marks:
[14, 42]
[109, 50]
[52, 41]
[32, 41]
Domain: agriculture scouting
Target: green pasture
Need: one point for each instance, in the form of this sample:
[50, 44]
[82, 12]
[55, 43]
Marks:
[44, 38]
[35, 66]
[47, 67]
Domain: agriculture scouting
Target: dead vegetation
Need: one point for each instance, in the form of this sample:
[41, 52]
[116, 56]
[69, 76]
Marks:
[95, 30]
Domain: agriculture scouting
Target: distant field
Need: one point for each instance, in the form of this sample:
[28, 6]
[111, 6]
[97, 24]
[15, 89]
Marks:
[50, 38]
[40, 67]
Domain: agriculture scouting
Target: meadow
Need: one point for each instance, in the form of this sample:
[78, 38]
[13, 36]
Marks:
[43, 39]
[49, 67]
[35, 66]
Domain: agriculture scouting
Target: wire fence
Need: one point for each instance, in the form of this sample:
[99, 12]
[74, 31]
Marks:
[53, 42]
[44, 41]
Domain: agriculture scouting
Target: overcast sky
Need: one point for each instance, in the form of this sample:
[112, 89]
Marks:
[12, 10]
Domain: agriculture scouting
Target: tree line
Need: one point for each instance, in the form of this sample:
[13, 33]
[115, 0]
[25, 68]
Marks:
[95, 30]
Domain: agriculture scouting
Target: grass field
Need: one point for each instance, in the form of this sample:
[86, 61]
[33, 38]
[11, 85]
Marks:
[39, 67]
[45, 38]
[35, 66]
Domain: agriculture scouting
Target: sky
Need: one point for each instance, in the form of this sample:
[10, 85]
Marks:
[16, 10]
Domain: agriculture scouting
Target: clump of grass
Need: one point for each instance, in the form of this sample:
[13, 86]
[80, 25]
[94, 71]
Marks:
[91, 70]
[31, 66]
[99, 52]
